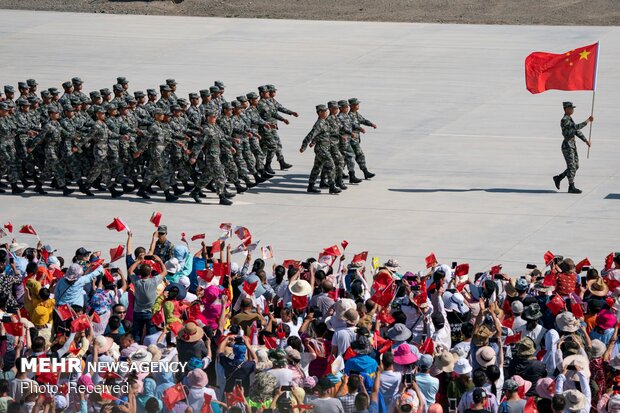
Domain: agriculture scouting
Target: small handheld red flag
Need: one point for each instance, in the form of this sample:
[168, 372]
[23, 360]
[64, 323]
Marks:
[249, 288]
[64, 312]
[27, 229]
[573, 70]
[548, 257]
[577, 310]
[361, 257]
[198, 236]
[236, 396]
[583, 263]
[206, 405]
[385, 316]
[172, 395]
[156, 218]
[461, 270]
[428, 347]
[158, 318]
[515, 338]
[495, 269]
[221, 269]
[117, 253]
[205, 274]
[530, 406]
[294, 263]
[216, 247]
[556, 305]
[299, 302]
[9, 226]
[334, 251]
[175, 327]
[14, 329]
[344, 244]
[80, 324]
[117, 224]
[430, 260]
[609, 261]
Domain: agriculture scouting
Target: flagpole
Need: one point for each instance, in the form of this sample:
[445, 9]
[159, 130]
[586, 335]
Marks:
[598, 49]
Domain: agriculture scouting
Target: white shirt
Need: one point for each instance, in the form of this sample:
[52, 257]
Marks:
[343, 338]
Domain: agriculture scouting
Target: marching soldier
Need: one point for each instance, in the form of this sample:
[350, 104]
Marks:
[77, 87]
[269, 138]
[9, 163]
[346, 126]
[355, 141]
[68, 88]
[124, 83]
[278, 107]
[335, 139]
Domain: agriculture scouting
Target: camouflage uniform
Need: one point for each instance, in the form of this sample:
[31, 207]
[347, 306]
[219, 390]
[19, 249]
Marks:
[319, 136]
[98, 138]
[269, 137]
[227, 158]
[244, 151]
[9, 162]
[51, 136]
[346, 125]
[156, 142]
[211, 142]
[117, 130]
[357, 120]
[253, 119]
[279, 108]
[569, 149]
[178, 158]
[25, 121]
[335, 139]
[70, 138]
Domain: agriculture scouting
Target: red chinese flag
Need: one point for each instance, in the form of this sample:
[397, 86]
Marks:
[64, 312]
[9, 226]
[530, 406]
[382, 280]
[249, 288]
[361, 257]
[381, 344]
[198, 236]
[577, 310]
[299, 302]
[515, 338]
[226, 226]
[344, 244]
[495, 269]
[236, 396]
[176, 327]
[244, 235]
[549, 280]
[80, 324]
[609, 261]
[291, 263]
[350, 353]
[173, 395]
[205, 274]
[556, 305]
[156, 218]
[116, 253]
[334, 251]
[14, 329]
[221, 269]
[461, 270]
[95, 318]
[428, 347]
[27, 229]
[117, 225]
[422, 297]
[108, 276]
[549, 257]
[280, 333]
[573, 70]
[47, 378]
[206, 404]
[45, 255]
[430, 260]
[158, 318]
[385, 316]
[583, 263]
[270, 342]
[216, 247]
[384, 296]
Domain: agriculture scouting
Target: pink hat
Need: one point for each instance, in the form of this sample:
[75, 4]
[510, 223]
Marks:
[545, 388]
[606, 320]
[523, 384]
[86, 381]
[404, 356]
[197, 378]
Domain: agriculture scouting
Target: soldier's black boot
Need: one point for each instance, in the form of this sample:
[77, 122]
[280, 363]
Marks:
[113, 192]
[210, 187]
[340, 184]
[333, 189]
[84, 189]
[202, 194]
[169, 196]
[150, 189]
[573, 190]
[2, 185]
[368, 174]
[98, 185]
[224, 200]
[195, 194]
[268, 168]
[177, 191]
[557, 179]
[26, 183]
[16, 189]
[66, 191]
[127, 188]
[39, 188]
[345, 175]
[228, 194]
[187, 186]
[54, 184]
[354, 179]
[240, 188]
[323, 183]
[249, 183]
[313, 189]
[142, 193]
[284, 165]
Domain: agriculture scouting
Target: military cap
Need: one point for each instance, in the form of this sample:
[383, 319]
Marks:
[86, 99]
[332, 104]
[205, 92]
[354, 101]
[167, 113]
[235, 104]
[568, 105]
[54, 91]
[77, 80]
[212, 112]
[32, 99]
[343, 103]
[164, 88]
[219, 84]
[11, 104]
[22, 102]
[252, 95]
[4, 106]
[158, 111]
[321, 108]
[226, 105]
[121, 105]
[242, 98]
[130, 99]
[121, 80]
[182, 101]
[9, 89]
[271, 88]
[194, 96]
[22, 85]
[175, 107]
[214, 89]
[171, 82]
[98, 109]
[45, 93]
[138, 94]
[117, 87]
[75, 100]
[31, 82]
[95, 94]
[52, 109]
[151, 92]
[262, 89]
[67, 108]
[105, 91]
[110, 106]
[67, 85]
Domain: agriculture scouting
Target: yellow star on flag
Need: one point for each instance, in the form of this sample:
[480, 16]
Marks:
[584, 55]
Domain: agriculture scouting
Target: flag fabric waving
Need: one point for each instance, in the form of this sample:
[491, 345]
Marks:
[573, 70]
[27, 229]
[156, 218]
[117, 225]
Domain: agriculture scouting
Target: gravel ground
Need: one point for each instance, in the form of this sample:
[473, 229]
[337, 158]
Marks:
[545, 12]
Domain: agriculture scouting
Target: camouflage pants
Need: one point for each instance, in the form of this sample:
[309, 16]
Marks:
[348, 155]
[242, 166]
[180, 166]
[72, 165]
[157, 169]
[25, 159]
[98, 169]
[213, 170]
[279, 155]
[9, 163]
[322, 162]
[569, 150]
[359, 153]
[338, 159]
[53, 168]
[258, 153]
[269, 144]
[245, 152]
[117, 168]
[230, 168]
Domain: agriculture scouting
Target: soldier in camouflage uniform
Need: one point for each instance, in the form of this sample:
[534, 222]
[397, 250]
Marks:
[119, 93]
[319, 138]
[32, 85]
[77, 87]
[178, 159]
[27, 128]
[124, 83]
[106, 95]
[9, 94]
[210, 143]
[172, 84]
[569, 148]
[214, 103]
[9, 163]
[151, 103]
[254, 121]
[155, 142]
[220, 97]
[358, 120]
[117, 139]
[241, 131]
[140, 111]
[278, 107]
[346, 127]
[164, 100]
[224, 122]
[335, 139]
[96, 100]
[68, 88]
[55, 99]
[69, 147]
[269, 139]
[24, 90]
[132, 123]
